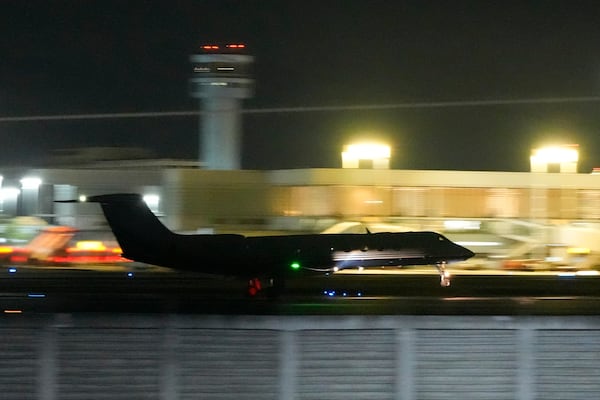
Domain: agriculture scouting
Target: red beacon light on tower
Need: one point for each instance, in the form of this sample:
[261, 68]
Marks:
[236, 46]
[223, 48]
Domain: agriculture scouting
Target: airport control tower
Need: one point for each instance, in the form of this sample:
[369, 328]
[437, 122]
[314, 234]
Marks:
[221, 78]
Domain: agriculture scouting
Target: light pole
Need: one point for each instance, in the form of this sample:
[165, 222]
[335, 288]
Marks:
[8, 200]
[30, 195]
[555, 159]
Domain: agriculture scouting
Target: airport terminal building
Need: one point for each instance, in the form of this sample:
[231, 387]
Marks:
[190, 198]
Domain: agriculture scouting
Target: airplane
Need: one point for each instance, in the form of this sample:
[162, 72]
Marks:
[144, 238]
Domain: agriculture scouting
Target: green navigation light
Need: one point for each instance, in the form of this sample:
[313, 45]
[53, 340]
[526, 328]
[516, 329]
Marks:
[295, 265]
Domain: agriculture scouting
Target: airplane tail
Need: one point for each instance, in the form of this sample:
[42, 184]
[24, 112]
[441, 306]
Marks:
[140, 233]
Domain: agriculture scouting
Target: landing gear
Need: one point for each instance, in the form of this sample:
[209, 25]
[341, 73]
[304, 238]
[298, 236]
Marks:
[275, 289]
[272, 290]
[444, 274]
[254, 286]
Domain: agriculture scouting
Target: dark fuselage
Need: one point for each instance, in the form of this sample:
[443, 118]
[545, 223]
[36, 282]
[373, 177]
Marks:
[144, 238]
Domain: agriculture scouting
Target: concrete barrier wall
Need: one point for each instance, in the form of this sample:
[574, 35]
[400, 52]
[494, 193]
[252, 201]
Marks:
[298, 357]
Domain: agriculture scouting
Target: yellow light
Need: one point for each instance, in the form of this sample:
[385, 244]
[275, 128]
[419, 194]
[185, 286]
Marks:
[366, 151]
[578, 250]
[90, 245]
[5, 250]
[555, 154]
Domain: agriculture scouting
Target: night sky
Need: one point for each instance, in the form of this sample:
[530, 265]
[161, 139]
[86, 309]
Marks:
[72, 57]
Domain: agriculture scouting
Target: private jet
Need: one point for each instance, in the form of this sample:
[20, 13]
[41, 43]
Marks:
[144, 238]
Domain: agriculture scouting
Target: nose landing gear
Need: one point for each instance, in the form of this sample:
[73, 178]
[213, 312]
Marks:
[444, 274]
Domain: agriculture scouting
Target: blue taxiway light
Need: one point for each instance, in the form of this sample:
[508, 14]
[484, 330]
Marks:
[12, 270]
[130, 274]
[36, 295]
[334, 293]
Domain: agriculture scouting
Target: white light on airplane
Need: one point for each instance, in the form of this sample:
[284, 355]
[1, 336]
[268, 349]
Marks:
[82, 198]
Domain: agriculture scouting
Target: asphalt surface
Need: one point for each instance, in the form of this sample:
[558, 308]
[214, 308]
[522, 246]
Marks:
[410, 292]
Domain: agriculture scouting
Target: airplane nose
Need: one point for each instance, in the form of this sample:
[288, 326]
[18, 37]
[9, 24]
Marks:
[463, 252]
[467, 253]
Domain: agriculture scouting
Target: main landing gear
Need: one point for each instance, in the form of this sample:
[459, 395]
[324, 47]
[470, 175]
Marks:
[444, 274]
[272, 290]
[254, 286]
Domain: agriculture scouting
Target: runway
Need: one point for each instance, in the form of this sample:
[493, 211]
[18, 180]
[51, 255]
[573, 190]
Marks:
[409, 292]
